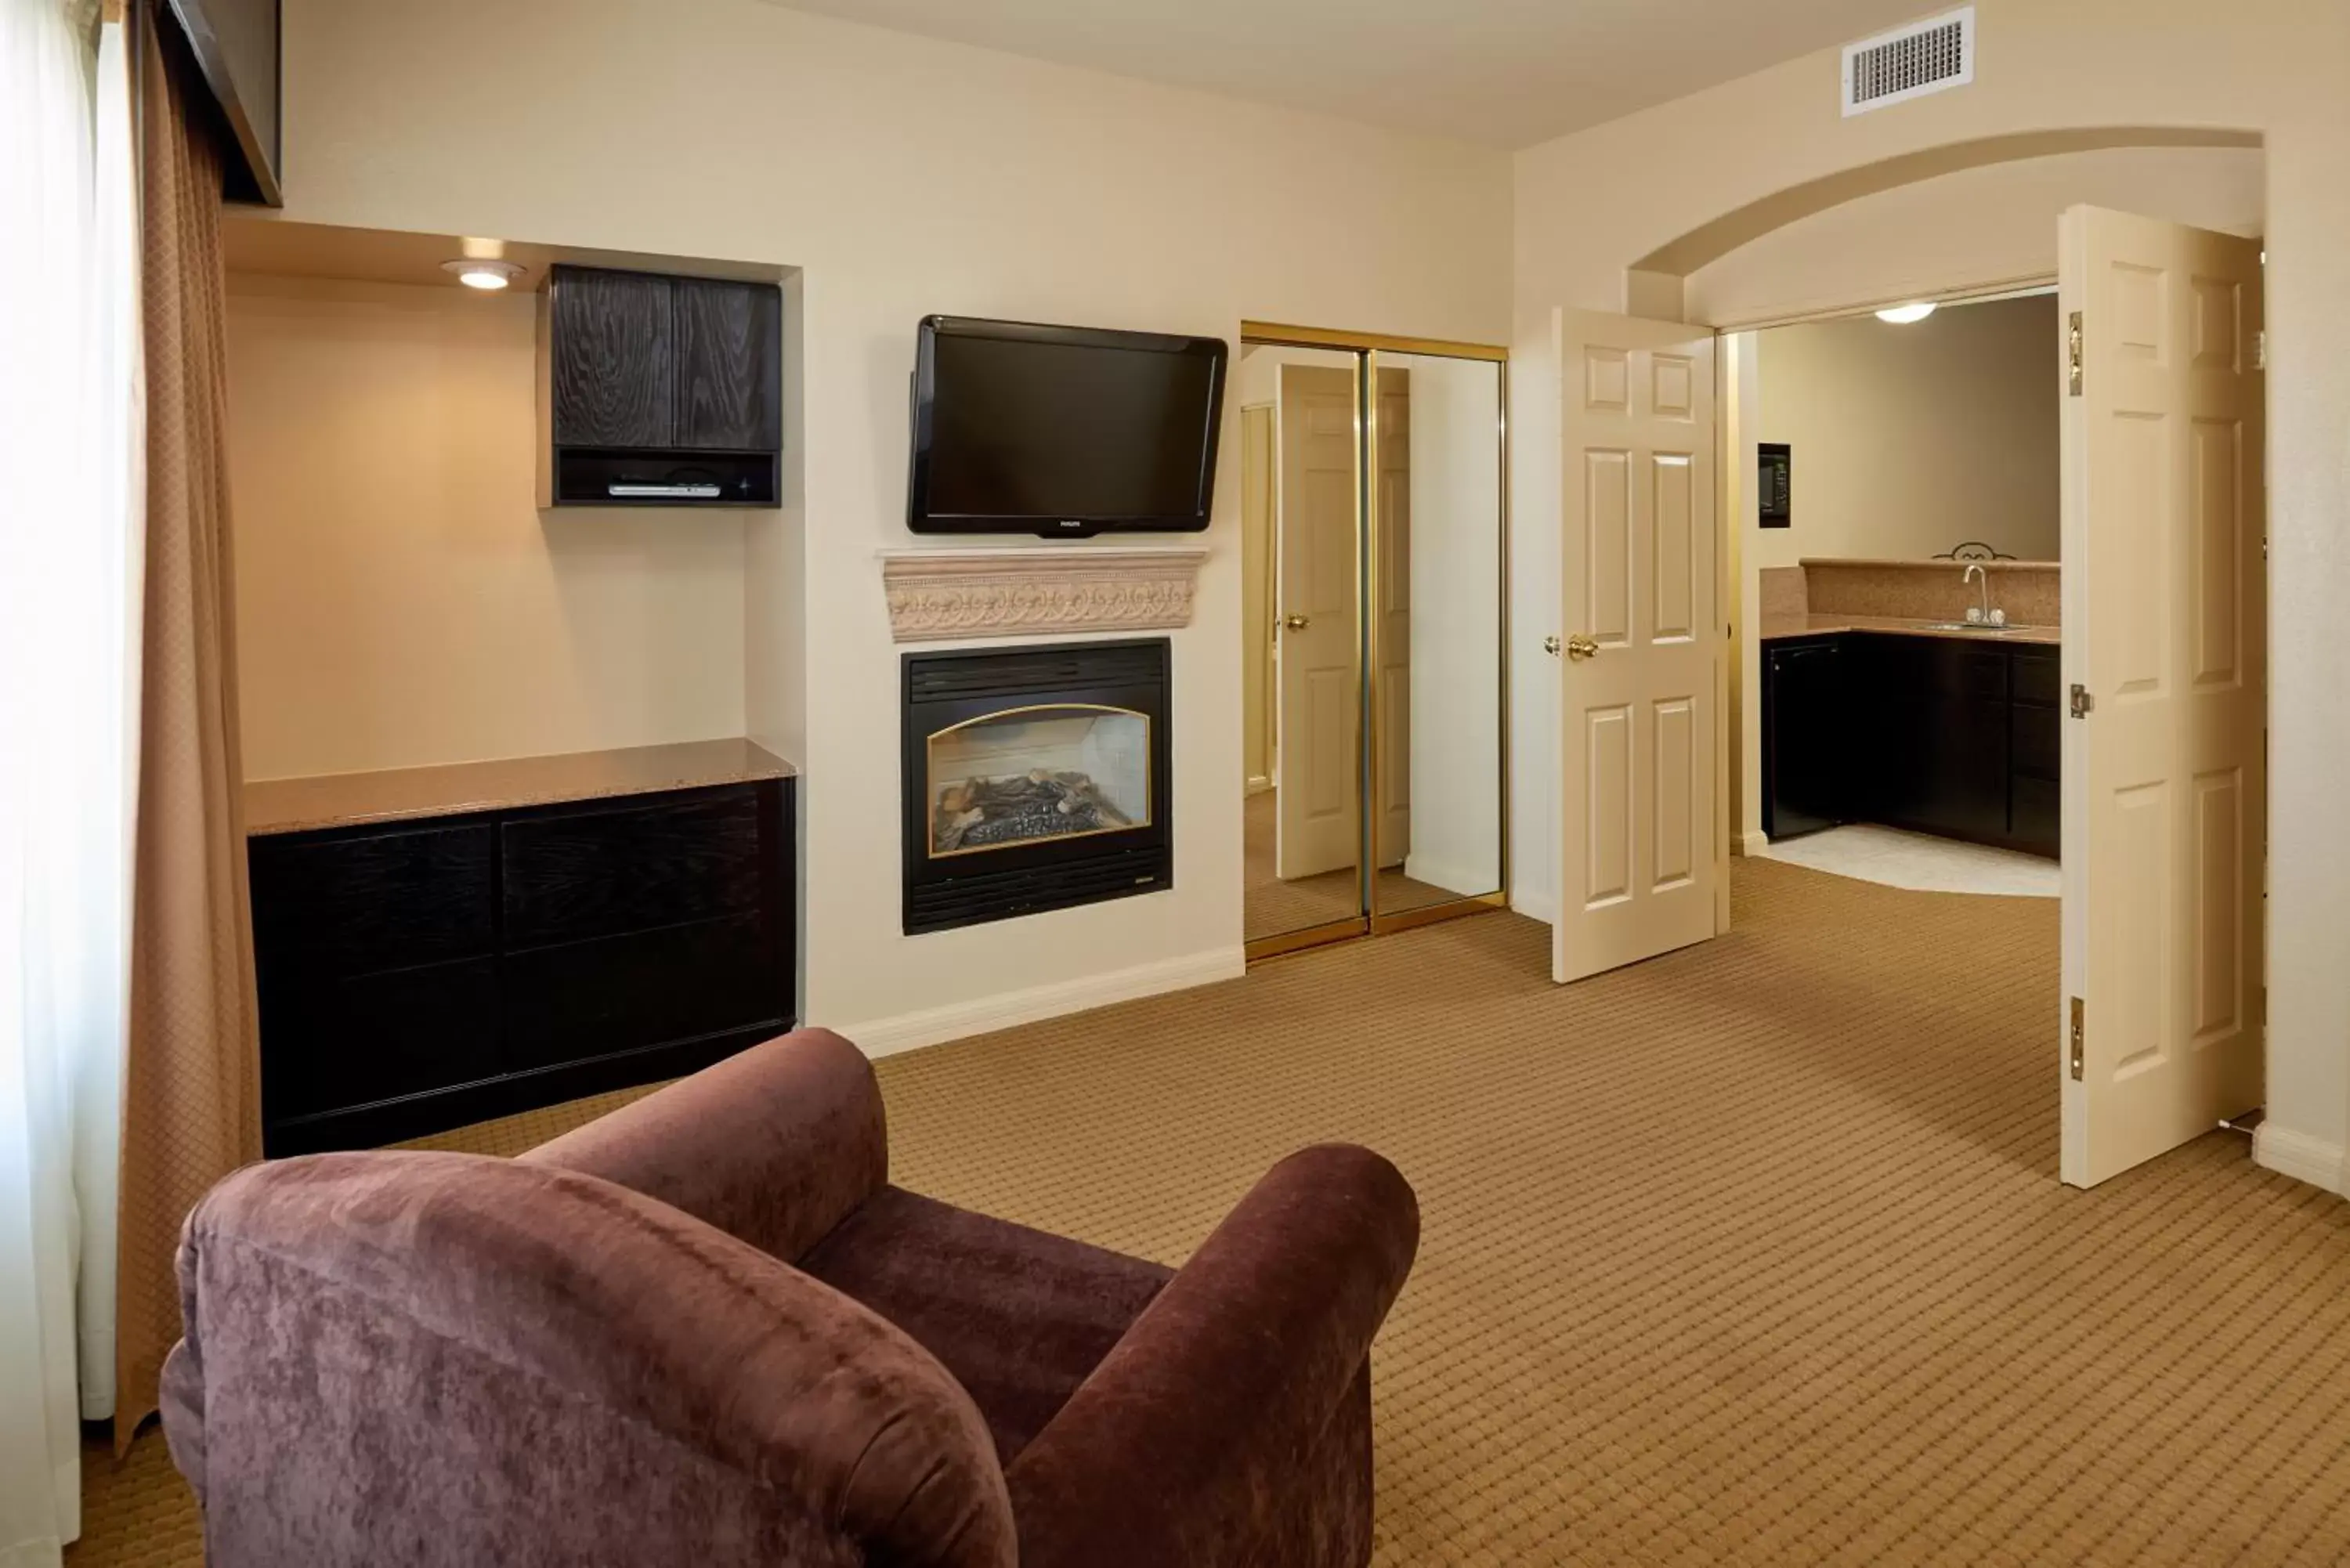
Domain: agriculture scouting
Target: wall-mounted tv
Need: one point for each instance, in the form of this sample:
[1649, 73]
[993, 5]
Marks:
[1062, 432]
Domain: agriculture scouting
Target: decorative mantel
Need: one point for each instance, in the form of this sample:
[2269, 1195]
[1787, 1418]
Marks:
[1007, 590]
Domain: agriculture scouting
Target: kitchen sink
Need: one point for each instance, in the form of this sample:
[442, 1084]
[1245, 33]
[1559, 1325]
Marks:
[1964, 625]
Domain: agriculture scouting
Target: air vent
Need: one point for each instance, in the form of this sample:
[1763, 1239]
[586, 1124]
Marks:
[1910, 62]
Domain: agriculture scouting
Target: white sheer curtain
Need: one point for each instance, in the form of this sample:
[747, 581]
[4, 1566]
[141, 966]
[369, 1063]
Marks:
[71, 543]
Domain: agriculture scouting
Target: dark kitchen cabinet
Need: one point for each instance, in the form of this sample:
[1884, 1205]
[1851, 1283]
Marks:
[1807, 717]
[2036, 738]
[421, 976]
[658, 390]
[1940, 707]
[1934, 734]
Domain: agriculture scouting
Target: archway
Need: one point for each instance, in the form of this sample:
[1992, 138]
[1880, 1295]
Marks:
[1655, 284]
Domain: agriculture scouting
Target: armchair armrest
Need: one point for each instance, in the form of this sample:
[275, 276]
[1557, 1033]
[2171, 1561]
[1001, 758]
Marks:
[1183, 1444]
[773, 1146]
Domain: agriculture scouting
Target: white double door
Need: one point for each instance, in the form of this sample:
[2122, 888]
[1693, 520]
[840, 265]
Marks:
[2160, 1022]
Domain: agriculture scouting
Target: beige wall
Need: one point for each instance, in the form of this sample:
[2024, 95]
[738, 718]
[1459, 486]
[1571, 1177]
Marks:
[401, 600]
[1908, 439]
[1590, 204]
[906, 176]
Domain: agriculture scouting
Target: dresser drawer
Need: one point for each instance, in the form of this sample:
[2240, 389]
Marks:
[352, 1041]
[600, 871]
[345, 906]
[651, 988]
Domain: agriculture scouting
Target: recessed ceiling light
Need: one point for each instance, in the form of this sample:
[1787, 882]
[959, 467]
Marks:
[1903, 314]
[483, 273]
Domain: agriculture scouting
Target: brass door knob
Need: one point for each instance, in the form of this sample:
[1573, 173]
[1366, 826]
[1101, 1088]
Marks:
[1550, 645]
[1581, 646]
[1296, 622]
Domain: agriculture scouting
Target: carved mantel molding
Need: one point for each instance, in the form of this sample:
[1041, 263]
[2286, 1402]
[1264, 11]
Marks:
[1027, 590]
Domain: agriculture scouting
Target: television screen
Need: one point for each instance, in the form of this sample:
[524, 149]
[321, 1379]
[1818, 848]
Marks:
[1061, 431]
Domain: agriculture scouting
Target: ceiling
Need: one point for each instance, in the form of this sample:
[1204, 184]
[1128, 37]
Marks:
[1507, 73]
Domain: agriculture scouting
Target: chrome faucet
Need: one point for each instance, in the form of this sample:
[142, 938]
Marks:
[1982, 579]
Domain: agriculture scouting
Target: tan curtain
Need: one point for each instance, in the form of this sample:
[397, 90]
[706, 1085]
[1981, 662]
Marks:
[191, 1109]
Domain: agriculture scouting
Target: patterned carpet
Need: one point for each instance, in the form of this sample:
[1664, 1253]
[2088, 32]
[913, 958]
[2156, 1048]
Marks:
[1753, 1253]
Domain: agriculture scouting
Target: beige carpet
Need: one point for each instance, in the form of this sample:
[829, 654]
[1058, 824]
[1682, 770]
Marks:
[1272, 908]
[1753, 1253]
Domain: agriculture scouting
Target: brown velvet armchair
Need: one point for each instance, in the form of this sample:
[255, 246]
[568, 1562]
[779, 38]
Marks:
[705, 1330]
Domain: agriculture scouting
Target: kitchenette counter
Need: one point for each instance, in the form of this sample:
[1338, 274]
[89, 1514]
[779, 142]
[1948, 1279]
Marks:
[400, 794]
[1775, 628]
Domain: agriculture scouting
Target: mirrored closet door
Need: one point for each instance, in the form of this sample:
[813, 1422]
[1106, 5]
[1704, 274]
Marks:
[1373, 681]
[1301, 462]
[1435, 636]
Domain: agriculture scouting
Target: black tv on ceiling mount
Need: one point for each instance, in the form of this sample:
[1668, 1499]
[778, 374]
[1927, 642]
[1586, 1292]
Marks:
[1062, 432]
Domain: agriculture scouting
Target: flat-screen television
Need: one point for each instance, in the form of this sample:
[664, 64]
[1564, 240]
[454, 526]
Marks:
[1062, 432]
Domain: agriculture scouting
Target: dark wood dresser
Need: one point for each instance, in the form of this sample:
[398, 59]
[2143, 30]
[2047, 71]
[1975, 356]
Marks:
[439, 946]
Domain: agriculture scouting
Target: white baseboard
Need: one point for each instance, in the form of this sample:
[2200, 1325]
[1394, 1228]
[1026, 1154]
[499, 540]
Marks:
[2299, 1156]
[1535, 907]
[1749, 844]
[936, 1026]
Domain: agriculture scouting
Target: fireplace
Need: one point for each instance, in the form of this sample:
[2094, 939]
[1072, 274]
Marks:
[1034, 778]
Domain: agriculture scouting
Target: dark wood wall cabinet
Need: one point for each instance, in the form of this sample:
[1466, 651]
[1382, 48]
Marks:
[1934, 734]
[657, 391]
[419, 975]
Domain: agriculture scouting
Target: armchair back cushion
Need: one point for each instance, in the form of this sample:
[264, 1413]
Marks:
[776, 1145]
[438, 1358]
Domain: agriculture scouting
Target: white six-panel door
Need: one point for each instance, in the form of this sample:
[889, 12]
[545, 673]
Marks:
[2165, 605]
[1639, 672]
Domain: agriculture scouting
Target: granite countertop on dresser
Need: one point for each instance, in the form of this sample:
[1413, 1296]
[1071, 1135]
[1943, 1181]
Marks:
[1774, 627]
[399, 794]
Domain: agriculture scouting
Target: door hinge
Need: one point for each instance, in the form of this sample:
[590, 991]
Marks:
[2260, 349]
[2073, 355]
[2080, 1037]
[2082, 701]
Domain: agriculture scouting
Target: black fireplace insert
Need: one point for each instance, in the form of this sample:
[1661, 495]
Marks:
[1035, 778]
